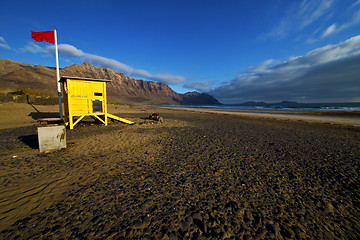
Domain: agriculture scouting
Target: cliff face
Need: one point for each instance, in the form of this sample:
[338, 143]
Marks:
[196, 98]
[122, 89]
[20, 75]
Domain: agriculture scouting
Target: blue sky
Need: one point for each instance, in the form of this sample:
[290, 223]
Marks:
[255, 50]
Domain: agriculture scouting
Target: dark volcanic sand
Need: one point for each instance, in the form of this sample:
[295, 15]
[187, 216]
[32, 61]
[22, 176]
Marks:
[194, 176]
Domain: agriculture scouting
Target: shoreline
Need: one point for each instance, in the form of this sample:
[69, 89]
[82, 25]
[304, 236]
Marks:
[14, 115]
[310, 117]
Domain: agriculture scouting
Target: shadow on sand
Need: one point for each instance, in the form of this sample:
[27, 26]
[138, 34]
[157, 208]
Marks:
[30, 140]
[36, 115]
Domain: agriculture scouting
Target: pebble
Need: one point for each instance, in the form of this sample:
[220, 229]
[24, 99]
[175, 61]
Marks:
[119, 214]
[224, 235]
[95, 219]
[146, 220]
[271, 228]
[184, 224]
[261, 232]
[171, 236]
[287, 232]
[200, 224]
[87, 221]
[231, 205]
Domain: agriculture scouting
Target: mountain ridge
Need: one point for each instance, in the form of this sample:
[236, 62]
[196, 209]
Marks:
[121, 89]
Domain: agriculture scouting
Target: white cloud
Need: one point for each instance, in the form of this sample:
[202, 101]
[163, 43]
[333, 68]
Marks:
[3, 43]
[33, 48]
[300, 15]
[324, 74]
[71, 51]
[355, 19]
[311, 10]
[261, 67]
[68, 50]
[202, 86]
[329, 30]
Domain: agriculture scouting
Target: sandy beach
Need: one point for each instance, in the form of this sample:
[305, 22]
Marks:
[205, 174]
[311, 117]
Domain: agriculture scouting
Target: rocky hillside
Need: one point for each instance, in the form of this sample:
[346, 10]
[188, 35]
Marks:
[121, 89]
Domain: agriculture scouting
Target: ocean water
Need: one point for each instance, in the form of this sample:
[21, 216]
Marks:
[308, 107]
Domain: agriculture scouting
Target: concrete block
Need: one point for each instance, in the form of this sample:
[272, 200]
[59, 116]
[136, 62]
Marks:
[51, 137]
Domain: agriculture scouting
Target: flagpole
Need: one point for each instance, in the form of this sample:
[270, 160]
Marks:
[58, 75]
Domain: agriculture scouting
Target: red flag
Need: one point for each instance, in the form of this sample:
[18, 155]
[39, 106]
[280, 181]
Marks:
[47, 36]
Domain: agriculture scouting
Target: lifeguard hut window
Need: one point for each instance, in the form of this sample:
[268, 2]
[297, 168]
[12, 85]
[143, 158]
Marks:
[97, 106]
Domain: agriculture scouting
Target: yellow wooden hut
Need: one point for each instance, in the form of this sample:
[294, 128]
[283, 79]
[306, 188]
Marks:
[86, 97]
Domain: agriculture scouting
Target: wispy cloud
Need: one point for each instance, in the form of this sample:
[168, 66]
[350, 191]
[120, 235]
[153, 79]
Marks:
[334, 28]
[3, 43]
[311, 10]
[66, 50]
[202, 86]
[327, 73]
[356, 3]
[354, 20]
[299, 16]
[330, 30]
[33, 48]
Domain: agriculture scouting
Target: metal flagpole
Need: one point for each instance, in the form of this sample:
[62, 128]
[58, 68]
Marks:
[58, 75]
